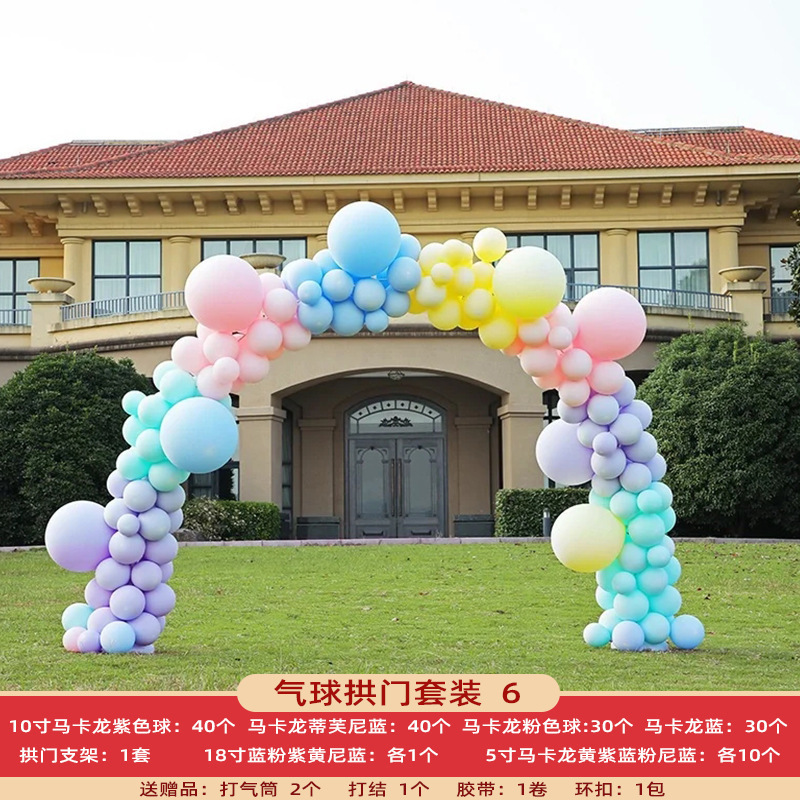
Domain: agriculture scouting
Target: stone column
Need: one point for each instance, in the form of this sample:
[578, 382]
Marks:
[317, 467]
[747, 299]
[261, 453]
[178, 263]
[724, 253]
[45, 312]
[76, 268]
[614, 258]
[474, 465]
[520, 427]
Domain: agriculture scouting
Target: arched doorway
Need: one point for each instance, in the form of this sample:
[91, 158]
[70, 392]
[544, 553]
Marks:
[396, 465]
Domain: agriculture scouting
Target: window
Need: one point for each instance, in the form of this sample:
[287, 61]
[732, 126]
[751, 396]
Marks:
[14, 274]
[290, 248]
[780, 279]
[127, 277]
[675, 261]
[395, 416]
[579, 253]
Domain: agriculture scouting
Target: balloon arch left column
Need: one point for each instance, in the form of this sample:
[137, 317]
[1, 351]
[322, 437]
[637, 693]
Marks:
[370, 273]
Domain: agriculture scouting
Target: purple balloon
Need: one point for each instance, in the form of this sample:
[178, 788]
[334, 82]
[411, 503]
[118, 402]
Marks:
[89, 642]
[171, 501]
[160, 601]
[99, 618]
[636, 478]
[627, 393]
[146, 575]
[95, 595]
[126, 549]
[154, 524]
[561, 456]
[167, 570]
[571, 414]
[127, 602]
[657, 466]
[146, 627]
[610, 466]
[110, 575]
[114, 510]
[175, 520]
[77, 536]
[163, 550]
[140, 495]
[116, 483]
[640, 409]
[644, 450]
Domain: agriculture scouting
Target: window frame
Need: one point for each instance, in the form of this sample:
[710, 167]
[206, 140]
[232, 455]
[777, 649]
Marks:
[253, 240]
[127, 275]
[570, 271]
[19, 300]
[673, 267]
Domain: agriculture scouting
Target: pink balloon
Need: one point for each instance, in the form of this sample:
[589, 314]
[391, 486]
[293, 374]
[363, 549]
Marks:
[252, 368]
[224, 293]
[225, 370]
[575, 393]
[515, 348]
[188, 354]
[295, 336]
[562, 317]
[220, 345]
[269, 280]
[536, 361]
[263, 337]
[560, 337]
[607, 377]
[535, 332]
[576, 364]
[280, 305]
[209, 386]
[552, 380]
[561, 456]
[203, 332]
[70, 639]
[611, 323]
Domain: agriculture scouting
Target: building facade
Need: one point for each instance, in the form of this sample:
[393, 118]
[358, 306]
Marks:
[409, 432]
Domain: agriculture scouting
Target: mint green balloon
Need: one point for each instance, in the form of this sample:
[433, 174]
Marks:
[165, 477]
[131, 400]
[164, 368]
[148, 446]
[178, 385]
[605, 576]
[152, 410]
[595, 635]
[632, 557]
[623, 505]
[653, 580]
[131, 466]
[131, 429]
[656, 628]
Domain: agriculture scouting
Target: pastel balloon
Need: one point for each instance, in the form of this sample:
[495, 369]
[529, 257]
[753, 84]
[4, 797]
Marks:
[210, 387]
[111, 574]
[610, 466]
[76, 615]
[604, 443]
[364, 238]
[70, 639]
[139, 495]
[116, 483]
[571, 414]
[431, 254]
[641, 410]
[225, 370]
[636, 478]
[644, 450]
[96, 596]
[587, 538]
[576, 364]
[446, 316]
[160, 600]
[632, 606]
[154, 524]
[280, 305]
[602, 409]
[539, 360]
[628, 635]
[490, 244]
[295, 336]
[316, 318]
[152, 409]
[114, 510]
[127, 602]
[655, 627]
[623, 505]
[146, 627]
[529, 282]
[652, 580]
[300, 271]
[607, 377]
[587, 430]
[605, 487]
[611, 323]
[404, 274]
[534, 332]
[131, 465]
[633, 558]
[409, 246]
[146, 575]
[89, 642]
[99, 618]
[595, 635]
[131, 400]
[627, 428]
[171, 500]
[125, 549]
[666, 603]
[165, 476]
[560, 337]
[77, 536]
[369, 294]
[575, 393]
[117, 637]
[348, 319]
[178, 385]
[309, 292]
[686, 632]
[199, 435]
[626, 393]
[479, 304]
[657, 466]
[131, 429]
[376, 321]
[188, 354]
[163, 550]
[337, 285]
[325, 261]
[224, 293]
[396, 303]
[561, 456]
[623, 582]
[263, 337]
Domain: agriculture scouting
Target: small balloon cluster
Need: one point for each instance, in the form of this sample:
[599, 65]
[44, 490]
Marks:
[369, 273]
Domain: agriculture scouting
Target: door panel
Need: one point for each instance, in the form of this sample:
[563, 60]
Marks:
[373, 504]
[420, 486]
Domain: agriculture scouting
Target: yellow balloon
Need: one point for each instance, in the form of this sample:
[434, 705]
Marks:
[415, 307]
[529, 282]
[446, 316]
[456, 252]
[484, 274]
[431, 254]
[467, 322]
[429, 294]
[479, 304]
[442, 273]
[490, 244]
[498, 332]
[464, 280]
[586, 538]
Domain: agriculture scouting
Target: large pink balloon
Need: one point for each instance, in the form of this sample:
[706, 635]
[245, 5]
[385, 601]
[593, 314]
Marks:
[561, 456]
[224, 293]
[77, 536]
[611, 323]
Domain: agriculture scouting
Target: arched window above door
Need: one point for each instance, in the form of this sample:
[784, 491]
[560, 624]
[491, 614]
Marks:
[395, 415]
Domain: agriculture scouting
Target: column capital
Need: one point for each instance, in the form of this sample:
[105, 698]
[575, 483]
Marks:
[469, 236]
[729, 229]
[268, 413]
[617, 232]
[180, 239]
[510, 411]
[322, 238]
[72, 240]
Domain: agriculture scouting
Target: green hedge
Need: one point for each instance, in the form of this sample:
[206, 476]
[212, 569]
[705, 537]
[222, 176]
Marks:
[518, 512]
[232, 520]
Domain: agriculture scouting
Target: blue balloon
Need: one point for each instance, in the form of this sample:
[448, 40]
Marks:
[369, 294]
[348, 319]
[325, 261]
[309, 292]
[160, 372]
[377, 321]
[364, 238]
[595, 635]
[628, 635]
[117, 637]
[131, 429]
[152, 409]
[409, 246]
[76, 616]
[303, 269]
[131, 400]
[166, 477]
[177, 385]
[686, 632]
[315, 318]
[404, 274]
[199, 435]
[655, 627]
[337, 285]
[396, 304]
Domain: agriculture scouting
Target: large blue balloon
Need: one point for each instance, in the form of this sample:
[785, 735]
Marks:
[315, 318]
[348, 319]
[337, 285]
[199, 435]
[364, 238]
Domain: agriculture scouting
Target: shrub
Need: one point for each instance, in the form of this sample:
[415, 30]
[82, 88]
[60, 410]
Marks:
[60, 435]
[232, 520]
[518, 512]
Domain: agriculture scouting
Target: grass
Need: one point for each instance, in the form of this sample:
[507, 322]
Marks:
[501, 608]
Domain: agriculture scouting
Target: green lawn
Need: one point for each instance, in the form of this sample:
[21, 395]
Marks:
[501, 608]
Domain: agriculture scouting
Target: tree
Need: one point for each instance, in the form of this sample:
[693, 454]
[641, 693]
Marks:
[60, 434]
[727, 419]
[793, 264]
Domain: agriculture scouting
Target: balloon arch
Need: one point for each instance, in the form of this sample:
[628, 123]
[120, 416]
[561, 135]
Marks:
[370, 273]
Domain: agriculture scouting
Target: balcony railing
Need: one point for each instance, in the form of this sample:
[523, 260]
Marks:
[666, 298]
[121, 306]
[15, 316]
[777, 304]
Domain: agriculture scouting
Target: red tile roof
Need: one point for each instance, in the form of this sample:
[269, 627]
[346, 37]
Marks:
[405, 129]
[731, 140]
[71, 154]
